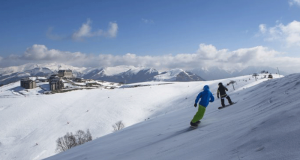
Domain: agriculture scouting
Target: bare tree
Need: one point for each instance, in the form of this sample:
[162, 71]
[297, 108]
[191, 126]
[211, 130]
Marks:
[69, 140]
[118, 126]
[88, 136]
[66, 142]
[82, 137]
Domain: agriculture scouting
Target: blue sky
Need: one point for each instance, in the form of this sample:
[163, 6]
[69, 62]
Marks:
[157, 29]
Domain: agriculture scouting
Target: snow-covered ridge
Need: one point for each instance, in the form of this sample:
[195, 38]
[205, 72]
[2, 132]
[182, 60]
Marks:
[140, 74]
[110, 71]
[168, 75]
[117, 70]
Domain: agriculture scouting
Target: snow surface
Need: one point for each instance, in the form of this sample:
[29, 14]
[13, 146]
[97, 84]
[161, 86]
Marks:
[264, 124]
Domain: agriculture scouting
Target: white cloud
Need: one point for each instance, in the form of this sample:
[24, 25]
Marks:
[148, 21]
[290, 33]
[41, 52]
[113, 29]
[86, 31]
[205, 56]
[262, 28]
[294, 2]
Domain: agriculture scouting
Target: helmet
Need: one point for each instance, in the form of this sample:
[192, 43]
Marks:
[206, 87]
[220, 84]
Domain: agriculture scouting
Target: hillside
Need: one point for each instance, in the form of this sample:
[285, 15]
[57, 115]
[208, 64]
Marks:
[41, 119]
[262, 125]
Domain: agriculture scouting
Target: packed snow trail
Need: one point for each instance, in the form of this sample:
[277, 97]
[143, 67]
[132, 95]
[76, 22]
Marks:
[264, 125]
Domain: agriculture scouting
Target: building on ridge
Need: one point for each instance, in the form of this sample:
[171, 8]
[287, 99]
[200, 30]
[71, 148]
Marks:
[65, 73]
[28, 83]
[56, 84]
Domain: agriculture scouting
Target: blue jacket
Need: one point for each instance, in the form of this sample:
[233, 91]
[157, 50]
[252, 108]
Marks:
[206, 97]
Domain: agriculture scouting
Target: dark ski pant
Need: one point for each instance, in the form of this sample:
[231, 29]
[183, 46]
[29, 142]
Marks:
[199, 115]
[228, 98]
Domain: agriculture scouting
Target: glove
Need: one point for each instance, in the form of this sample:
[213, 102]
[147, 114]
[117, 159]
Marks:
[195, 105]
[211, 101]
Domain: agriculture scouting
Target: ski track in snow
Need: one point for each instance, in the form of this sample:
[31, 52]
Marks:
[262, 125]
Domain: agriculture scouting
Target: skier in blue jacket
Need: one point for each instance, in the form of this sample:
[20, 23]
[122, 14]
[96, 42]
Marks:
[206, 97]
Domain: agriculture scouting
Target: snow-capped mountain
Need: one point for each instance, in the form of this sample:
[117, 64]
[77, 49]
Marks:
[124, 74]
[15, 73]
[54, 67]
[177, 75]
[139, 74]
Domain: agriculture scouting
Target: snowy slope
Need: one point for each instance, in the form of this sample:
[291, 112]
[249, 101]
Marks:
[263, 125]
[27, 120]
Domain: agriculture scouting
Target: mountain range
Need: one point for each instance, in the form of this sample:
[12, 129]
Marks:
[125, 74]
